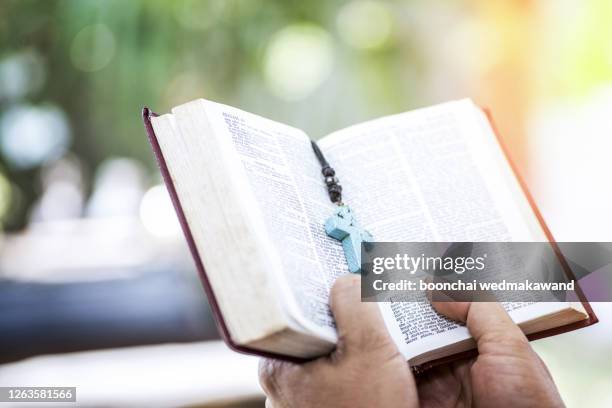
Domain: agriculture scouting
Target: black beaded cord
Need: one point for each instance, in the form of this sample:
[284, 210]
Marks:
[333, 188]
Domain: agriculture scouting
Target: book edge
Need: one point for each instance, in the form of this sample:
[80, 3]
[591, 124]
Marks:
[147, 114]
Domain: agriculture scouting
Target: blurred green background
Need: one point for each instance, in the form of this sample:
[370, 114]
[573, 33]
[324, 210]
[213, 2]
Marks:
[83, 69]
[87, 68]
[75, 74]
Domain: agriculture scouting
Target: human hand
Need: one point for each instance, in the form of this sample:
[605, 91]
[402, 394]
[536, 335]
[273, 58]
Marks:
[367, 370]
[506, 372]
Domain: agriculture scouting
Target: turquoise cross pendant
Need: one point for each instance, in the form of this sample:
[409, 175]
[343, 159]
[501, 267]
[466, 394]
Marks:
[344, 227]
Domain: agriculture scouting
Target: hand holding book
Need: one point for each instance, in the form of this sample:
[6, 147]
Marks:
[367, 369]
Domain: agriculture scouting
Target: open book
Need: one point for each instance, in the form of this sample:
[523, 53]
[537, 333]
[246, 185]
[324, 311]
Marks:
[252, 203]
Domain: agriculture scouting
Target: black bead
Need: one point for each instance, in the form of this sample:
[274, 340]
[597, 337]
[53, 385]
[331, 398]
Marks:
[335, 197]
[328, 171]
[335, 188]
[331, 180]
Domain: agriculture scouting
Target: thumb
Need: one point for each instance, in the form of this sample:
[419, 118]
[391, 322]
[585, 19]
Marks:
[360, 324]
[488, 323]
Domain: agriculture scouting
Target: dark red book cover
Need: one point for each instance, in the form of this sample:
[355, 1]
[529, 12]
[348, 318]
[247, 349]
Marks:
[219, 319]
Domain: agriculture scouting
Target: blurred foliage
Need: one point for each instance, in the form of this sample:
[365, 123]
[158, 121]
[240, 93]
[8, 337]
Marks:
[318, 65]
[103, 60]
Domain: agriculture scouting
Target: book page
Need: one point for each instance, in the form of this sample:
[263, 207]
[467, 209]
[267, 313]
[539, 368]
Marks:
[436, 174]
[285, 178]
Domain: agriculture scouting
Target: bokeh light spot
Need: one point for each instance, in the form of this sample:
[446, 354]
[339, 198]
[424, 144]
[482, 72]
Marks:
[92, 48]
[297, 60]
[20, 74]
[31, 135]
[365, 24]
[157, 213]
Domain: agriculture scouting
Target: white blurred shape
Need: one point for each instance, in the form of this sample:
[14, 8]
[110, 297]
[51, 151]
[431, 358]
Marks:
[298, 59]
[68, 169]
[570, 148]
[62, 196]
[365, 24]
[193, 374]
[118, 189]
[157, 213]
[21, 74]
[92, 48]
[62, 200]
[31, 135]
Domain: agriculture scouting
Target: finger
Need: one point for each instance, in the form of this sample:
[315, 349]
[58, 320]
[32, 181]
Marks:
[360, 324]
[285, 383]
[453, 310]
[488, 322]
[272, 373]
